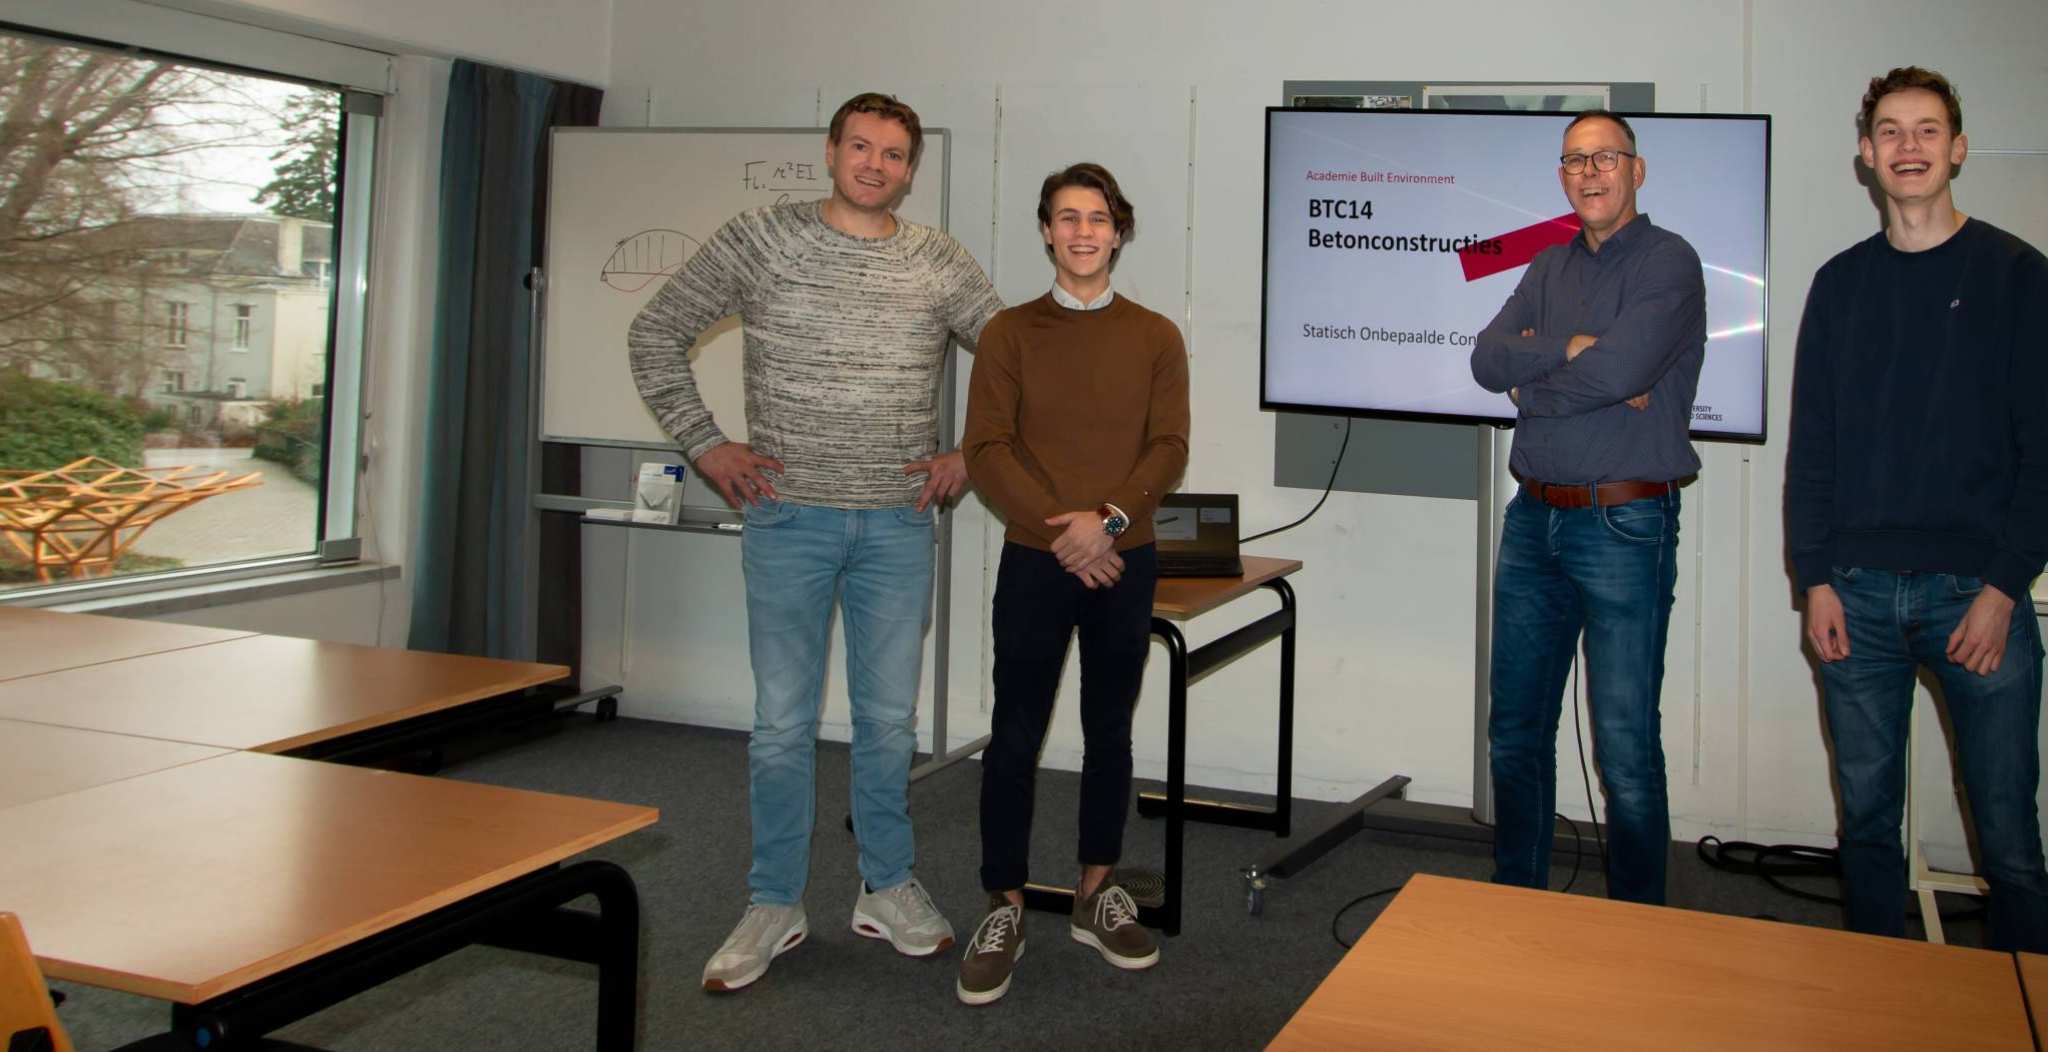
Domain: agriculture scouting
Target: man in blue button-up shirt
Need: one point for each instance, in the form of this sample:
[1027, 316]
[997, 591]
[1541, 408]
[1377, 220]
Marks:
[1600, 346]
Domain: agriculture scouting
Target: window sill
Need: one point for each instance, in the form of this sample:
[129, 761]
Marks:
[159, 602]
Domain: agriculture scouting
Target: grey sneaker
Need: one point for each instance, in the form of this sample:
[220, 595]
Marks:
[1108, 921]
[992, 954]
[905, 916]
[765, 933]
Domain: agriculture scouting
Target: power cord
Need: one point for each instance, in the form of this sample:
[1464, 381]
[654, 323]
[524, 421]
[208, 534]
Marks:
[1578, 856]
[1327, 487]
[1776, 862]
[1585, 778]
[1578, 839]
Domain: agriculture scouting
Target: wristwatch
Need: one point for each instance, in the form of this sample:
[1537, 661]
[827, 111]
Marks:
[1114, 521]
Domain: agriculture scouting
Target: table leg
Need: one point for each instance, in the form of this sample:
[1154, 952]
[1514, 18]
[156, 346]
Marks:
[526, 914]
[1176, 768]
[1206, 659]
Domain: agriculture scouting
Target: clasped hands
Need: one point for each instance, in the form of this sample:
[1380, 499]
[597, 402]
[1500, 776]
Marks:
[1085, 549]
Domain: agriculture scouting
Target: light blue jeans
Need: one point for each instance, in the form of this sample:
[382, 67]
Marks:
[878, 563]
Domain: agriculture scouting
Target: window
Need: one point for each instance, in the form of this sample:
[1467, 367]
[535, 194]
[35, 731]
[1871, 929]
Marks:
[172, 200]
[177, 317]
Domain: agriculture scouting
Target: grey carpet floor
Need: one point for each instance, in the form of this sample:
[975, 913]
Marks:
[1229, 981]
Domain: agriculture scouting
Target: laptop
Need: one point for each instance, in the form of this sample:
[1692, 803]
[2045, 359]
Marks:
[1197, 535]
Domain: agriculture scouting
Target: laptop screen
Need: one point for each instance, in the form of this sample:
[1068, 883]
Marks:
[1197, 524]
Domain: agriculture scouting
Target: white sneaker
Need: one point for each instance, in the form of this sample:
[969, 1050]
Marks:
[905, 916]
[765, 933]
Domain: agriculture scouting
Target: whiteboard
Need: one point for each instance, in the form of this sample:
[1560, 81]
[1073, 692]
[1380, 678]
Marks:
[626, 208]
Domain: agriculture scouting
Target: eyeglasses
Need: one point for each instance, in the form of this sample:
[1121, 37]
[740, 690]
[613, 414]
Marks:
[1605, 160]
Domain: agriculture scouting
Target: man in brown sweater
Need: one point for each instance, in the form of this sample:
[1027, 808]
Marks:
[1077, 425]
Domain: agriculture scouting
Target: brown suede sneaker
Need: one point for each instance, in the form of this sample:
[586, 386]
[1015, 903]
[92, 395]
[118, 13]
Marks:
[1108, 921]
[992, 953]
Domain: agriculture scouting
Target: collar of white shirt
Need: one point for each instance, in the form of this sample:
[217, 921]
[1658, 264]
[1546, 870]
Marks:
[1072, 302]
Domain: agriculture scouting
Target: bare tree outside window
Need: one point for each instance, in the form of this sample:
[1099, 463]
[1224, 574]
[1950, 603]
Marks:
[151, 214]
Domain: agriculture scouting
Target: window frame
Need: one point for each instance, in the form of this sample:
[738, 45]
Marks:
[177, 323]
[362, 77]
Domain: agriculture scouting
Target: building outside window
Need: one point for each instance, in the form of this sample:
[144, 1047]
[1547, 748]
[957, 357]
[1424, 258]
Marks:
[180, 195]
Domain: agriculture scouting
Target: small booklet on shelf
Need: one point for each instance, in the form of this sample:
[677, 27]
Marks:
[658, 493]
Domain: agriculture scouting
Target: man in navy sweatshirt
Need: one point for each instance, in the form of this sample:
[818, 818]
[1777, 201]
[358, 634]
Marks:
[1916, 508]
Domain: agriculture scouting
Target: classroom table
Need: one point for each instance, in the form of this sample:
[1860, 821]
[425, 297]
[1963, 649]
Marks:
[1455, 964]
[33, 641]
[152, 845]
[250, 890]
[38, 761]
[273, 694]
[2034, 982]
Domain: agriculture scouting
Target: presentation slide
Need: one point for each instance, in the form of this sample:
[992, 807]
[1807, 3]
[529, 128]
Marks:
[1394, 236]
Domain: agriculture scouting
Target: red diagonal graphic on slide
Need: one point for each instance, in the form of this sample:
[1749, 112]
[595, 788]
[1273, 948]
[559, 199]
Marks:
[1518, 247]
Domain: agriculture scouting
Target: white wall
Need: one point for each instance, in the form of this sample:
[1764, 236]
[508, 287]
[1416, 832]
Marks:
[561, 38]
[1385, 665]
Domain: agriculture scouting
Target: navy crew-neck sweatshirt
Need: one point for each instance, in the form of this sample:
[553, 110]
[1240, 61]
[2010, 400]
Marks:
[1920, 412]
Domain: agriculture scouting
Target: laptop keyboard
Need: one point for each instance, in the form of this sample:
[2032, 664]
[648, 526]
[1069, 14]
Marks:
[1203, 566]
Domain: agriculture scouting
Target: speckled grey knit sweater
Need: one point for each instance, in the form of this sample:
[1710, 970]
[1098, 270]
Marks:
[845, 341]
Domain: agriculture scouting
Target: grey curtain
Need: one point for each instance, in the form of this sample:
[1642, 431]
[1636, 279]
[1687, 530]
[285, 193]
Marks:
[476, 506]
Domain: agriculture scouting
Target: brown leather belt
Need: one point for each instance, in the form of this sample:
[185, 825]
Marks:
[1604, 494]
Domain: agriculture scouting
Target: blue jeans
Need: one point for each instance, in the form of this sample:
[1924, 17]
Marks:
[1608, 572]
[878, 562]
[1898, 621]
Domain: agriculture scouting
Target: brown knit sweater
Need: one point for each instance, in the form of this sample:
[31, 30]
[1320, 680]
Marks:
[1069, 409]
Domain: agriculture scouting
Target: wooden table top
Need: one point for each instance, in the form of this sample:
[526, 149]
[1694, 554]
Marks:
[1454, 964]
[266, 693]
[33, 642]
[195, 880]
[1180, 598]
[2034, 979]
[37, 760]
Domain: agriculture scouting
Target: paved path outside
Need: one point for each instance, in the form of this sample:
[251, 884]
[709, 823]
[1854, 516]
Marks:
[275, 518]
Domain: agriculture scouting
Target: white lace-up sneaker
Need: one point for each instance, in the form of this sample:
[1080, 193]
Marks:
[765, 933]
[905, 916]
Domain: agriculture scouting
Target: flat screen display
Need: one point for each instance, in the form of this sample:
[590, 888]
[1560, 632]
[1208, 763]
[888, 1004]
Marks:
[1393, 236]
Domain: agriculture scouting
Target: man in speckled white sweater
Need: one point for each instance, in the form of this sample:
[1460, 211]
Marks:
[845, 311]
